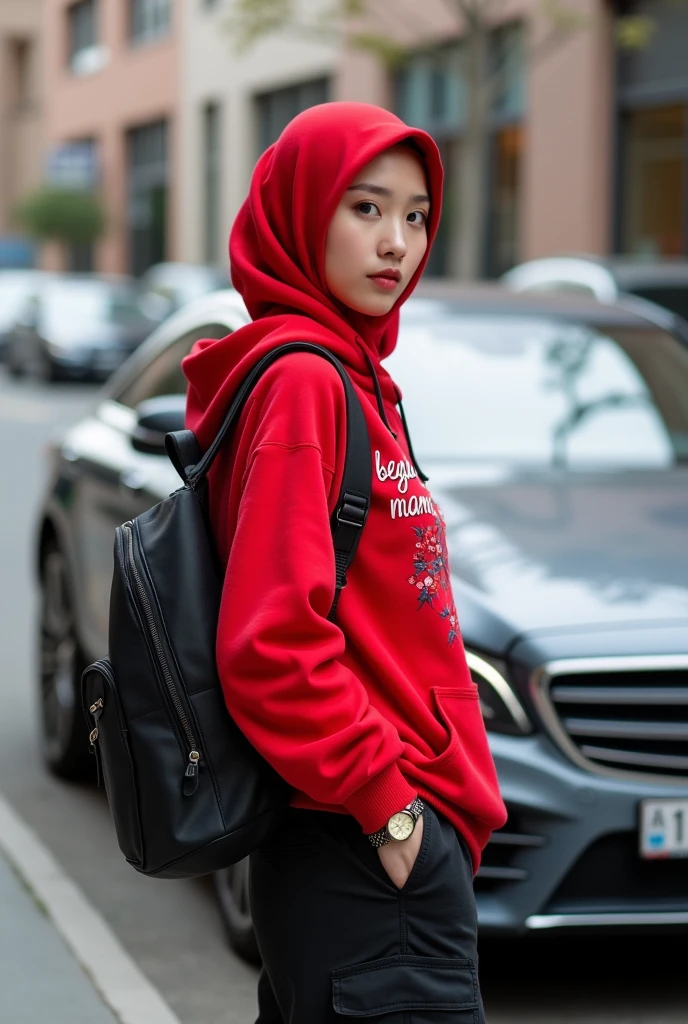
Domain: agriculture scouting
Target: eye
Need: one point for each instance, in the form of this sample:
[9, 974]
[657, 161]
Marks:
[367, 208]
[421, 215]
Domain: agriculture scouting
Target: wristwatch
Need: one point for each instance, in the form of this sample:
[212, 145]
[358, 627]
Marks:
[400, 826]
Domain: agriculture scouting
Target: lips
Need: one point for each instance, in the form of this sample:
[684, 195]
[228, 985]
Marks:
[390, 275]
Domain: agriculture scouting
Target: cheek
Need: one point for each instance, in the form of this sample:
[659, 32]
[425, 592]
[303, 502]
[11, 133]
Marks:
[417, 250]
[342, 251]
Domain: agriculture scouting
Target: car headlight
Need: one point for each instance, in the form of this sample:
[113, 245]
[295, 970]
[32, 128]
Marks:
[501, 708]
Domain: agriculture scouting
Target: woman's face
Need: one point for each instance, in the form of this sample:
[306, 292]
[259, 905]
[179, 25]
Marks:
[377, 236]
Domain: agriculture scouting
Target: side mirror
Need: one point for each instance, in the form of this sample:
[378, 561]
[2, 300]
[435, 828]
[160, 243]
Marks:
[154, 418]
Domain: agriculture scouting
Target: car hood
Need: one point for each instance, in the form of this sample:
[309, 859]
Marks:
[535, 551]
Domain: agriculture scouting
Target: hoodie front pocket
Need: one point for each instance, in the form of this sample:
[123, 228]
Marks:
[459, 712]
[398, 989]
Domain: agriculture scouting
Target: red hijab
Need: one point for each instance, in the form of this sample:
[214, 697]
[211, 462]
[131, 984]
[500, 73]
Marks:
[277, 255]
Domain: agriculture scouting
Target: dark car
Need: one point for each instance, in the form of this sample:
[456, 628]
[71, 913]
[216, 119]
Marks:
[555, 435]
[15, 287]
[76, 326]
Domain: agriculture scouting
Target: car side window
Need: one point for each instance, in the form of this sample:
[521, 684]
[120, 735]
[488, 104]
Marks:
[163, 375]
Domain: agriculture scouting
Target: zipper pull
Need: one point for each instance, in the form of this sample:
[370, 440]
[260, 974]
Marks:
[191, 773]
[96, 710]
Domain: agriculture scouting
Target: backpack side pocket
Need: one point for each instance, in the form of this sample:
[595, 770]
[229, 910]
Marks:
[109, 737]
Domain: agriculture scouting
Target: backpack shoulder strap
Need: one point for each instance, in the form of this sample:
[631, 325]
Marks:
[353, 504]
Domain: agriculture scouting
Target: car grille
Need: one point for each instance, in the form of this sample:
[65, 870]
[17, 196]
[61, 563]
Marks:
[627, 715]
[610, 876]
[503, 860]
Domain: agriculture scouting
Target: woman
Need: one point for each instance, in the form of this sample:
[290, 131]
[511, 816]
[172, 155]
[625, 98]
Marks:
[362, 900]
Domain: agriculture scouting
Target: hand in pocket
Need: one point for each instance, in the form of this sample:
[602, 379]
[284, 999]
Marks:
[398, 858]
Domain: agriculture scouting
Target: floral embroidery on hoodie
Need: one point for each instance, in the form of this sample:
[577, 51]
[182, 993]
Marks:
[431, 573]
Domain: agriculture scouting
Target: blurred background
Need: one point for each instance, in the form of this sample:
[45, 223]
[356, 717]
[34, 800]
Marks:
[562, 124]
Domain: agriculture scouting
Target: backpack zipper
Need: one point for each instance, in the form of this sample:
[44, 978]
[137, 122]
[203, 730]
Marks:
[191, 773]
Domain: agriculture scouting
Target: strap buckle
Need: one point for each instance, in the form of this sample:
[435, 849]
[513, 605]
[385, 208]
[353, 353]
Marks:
[353, 511]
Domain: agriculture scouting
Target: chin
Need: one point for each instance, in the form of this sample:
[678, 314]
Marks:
[373, 306]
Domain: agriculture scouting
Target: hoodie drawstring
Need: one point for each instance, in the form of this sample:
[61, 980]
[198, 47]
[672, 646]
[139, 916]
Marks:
[419, 471]
[383, 416]
[378, 392]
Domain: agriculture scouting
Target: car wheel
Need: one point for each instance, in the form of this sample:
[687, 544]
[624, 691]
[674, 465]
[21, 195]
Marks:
[43, 370]
[64, 737]
[231, 886]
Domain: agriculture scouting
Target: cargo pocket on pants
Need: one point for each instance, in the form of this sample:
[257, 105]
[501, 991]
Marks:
[408, 990]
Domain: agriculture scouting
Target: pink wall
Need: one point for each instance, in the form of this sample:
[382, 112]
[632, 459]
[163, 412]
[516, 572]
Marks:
[20, 106]
[567, 172]
[138, 84]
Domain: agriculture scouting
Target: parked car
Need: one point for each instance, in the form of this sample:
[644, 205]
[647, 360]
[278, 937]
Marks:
[166, 287]
[76, 326]
[15, 286]
[555, 434]
[663, 281]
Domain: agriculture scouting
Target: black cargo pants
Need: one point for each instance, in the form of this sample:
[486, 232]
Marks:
[339, 940]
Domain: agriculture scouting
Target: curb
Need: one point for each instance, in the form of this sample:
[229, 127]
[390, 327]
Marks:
[121, 984]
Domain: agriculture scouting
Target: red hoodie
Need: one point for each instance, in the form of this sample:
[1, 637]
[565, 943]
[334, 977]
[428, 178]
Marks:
[362, 715]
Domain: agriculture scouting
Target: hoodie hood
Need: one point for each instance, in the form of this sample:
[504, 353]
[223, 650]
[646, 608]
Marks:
[277, 256]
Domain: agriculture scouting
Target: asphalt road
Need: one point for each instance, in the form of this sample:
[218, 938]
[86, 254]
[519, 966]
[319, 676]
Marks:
[172, 929]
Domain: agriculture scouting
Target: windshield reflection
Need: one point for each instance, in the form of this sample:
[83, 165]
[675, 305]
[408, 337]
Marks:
[539, 391]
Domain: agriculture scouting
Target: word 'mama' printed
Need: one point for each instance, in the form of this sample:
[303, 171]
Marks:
[416, 505]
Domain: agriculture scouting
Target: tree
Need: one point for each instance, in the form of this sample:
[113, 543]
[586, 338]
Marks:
[360, 24]
[71, 216]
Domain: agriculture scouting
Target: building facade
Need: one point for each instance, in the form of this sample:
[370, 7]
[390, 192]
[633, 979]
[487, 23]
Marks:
[551, 127]
[587, 145]
[111, 72]
[21, 93]
[551, 135]
[233, 106]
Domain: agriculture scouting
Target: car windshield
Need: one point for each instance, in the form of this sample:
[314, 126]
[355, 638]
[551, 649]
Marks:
[92, 302]
[541, 391]
[671, 297]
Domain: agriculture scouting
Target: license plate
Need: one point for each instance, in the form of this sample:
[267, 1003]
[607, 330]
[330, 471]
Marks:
[664, 828]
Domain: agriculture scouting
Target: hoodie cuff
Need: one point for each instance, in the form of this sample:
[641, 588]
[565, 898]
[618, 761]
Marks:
[374, 803]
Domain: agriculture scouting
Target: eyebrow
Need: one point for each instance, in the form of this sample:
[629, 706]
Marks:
[379, 190]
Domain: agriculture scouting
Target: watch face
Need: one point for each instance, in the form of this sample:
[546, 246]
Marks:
[400, 826]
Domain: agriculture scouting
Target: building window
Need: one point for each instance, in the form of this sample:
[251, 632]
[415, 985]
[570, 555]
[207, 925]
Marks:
[654, 181]
[85, 56]
[212, 178]
[148, 183]
[652, 161]
[506, 155]
[150, 19]
[21, 53]
[430, 93]
[274, 110]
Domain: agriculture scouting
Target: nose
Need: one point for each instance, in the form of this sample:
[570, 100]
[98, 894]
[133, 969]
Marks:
[393, 242]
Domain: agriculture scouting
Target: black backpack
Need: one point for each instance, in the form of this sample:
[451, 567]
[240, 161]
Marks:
[188, 793]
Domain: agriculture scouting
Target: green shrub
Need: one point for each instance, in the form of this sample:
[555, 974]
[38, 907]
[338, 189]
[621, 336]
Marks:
[62, 215]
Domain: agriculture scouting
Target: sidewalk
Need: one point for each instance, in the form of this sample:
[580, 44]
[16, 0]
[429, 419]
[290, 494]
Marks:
[60, 962]
[40, 981]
